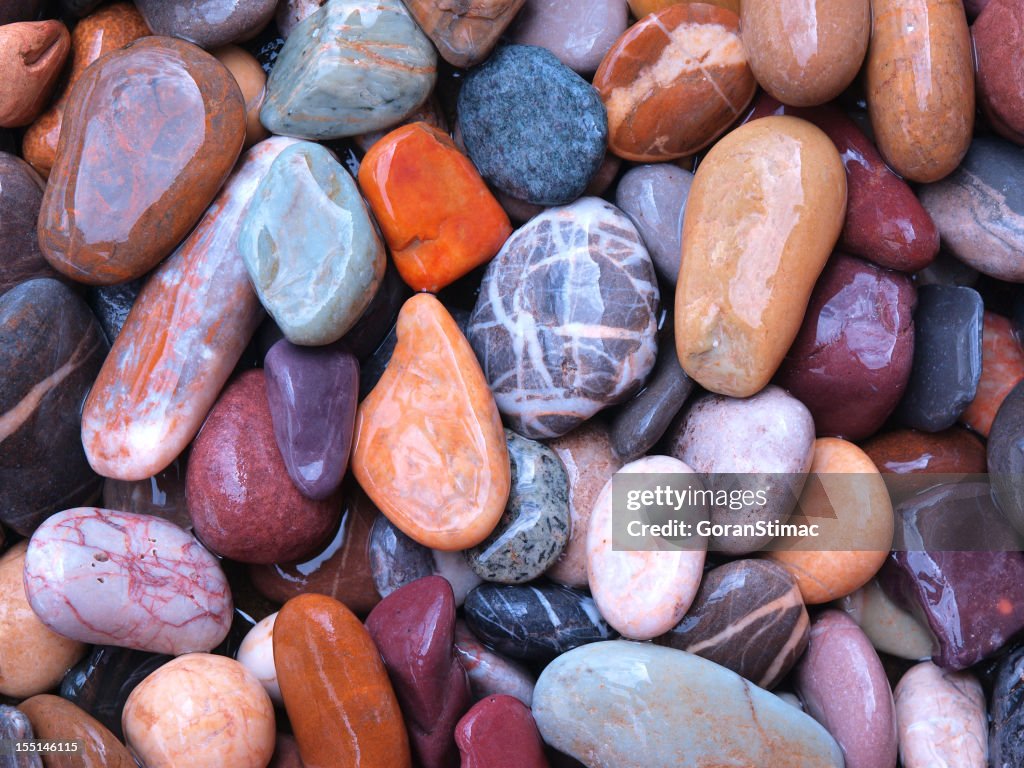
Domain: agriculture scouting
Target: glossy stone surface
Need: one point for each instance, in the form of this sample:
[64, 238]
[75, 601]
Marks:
[578, 32]
[51, 349]
[749, 617]
[534, 528]
[80, 563]
[851, 359]
[256, 653]
[731, 332]
[170, 88]
[944, 379]
[889, 628]
[310, 247]
[490, 673]
[500, 732]
[21, 193]
[350, 67]
[336, 690]
[438, 217]
[15, 726]
[162, 495]
[414, 630]
[654, 197]
[534, 622]
[661, 707]
[395, 559]
[1002, 368]
[110, 28]
[55, 719]
[674, 82]
[464, 32]
[207, 23]
[511, 115]
[150, 399]
[920, 86]
[1006, 457]
[998, 50]
[565, 324]
[907, 451]
[1006, 739]
[112, 303]
[236, 726]
[32, 54]
[252, 81]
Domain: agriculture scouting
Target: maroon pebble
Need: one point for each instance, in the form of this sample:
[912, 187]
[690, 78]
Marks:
[499, 732]
[999, 48]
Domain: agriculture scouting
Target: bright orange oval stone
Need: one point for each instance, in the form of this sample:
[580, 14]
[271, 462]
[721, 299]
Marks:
[437, 215]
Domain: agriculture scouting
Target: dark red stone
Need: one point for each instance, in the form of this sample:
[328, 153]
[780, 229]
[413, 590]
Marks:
[21, 193]
[907, 451]
[499, 732]
[999, 49]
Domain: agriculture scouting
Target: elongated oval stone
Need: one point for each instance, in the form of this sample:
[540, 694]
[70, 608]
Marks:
[663, 708]
[351, 67]
[565, 322]
[82, 563]
[157, 160]
[56, 719]
[152, 395]
[209, 23]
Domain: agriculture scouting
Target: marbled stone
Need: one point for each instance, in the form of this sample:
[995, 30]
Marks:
[438, 217]
[163, 726]
[256, 653]
[350, 67]
[944, 378]
[150, 398]
[55, 719]
[81, 563]
[291, 12]
[662, 708]
[15, 726]
[907, 451]
[750, 258]
[511, 115]
[578, 32]
[429, 448]
[207, 23]
[252, 81]
[500, 732]
[674, 82]
[565, 322]
[979, 209]
[490, 673]
[341, 705]
[32, 54]
[21, 193]
[414, 630]
[1005, 459]
[466, 31]
[110, 28]
[310, 247]
[51, 349]
[1006, 740]
[162, 495]
[1002, 368]
[158, 170]
[534, 528]
[941, 719]
[890, 629]
[843, 686]
[112, 304]
[654, 197]
[999, 54]
[851, 360]
[236, 475]
[395, 559]
[749, 617]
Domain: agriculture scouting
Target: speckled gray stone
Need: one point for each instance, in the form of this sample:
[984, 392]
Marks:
[207, 23]
[534, 128]
[654, 197]
[534, 528]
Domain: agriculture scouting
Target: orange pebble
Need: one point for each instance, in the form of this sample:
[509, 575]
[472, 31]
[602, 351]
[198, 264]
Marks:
[1002, 367]
[438, 217]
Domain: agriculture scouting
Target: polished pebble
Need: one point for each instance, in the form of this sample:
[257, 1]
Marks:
[890, 628]
[654, 197]
[998, 50]
[207, 23]
[21, 194]
[464, 33]
[32, 54]
[256, 653]
[1002, 368]
[490, 673]
[907, 451]
[252, 81]
[15, 726]
[395, 559]
[1006, 457]
[500, 732]
[578, 32]
[112, 303]
[55, 719]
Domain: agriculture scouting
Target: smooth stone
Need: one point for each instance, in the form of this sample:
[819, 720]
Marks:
[852, 357]
[941, 719]
[890, 629]
[348, 68]
[979, 209]
[453, 567]
[395, 559]
[590, 461]
[907, 451]
[33, 658]
[106, 30]
[21, 193]
[256, 653]
[511, 114]
[252, 81]
[1005, 461]
[740, 235]
[20, 10]
[162, 495]
[451, 490]
[954, 572]
[159, 170]
[1002, 368]
[748, 616]
[54, 719]
[150, 399]
[764, 442]
[163, 725]
[534, 621]
[312, 395]
[32, 55]
[565, 323]
[414, 630]
[341, 705]
[674, 82]
[112, 303]
[843, 686]
[534, 528]
[80, 564]
[578, 32]
[490, 673]
[654, 197]
[432, 243]
[51, 349]
[15, 726]
[291, 12]
[662, 708]
[500, 732]
[207, 23]
[998, 47]
[948, 325]
[1006, 739]
[236, 475]
[465, 32]
[310, 246]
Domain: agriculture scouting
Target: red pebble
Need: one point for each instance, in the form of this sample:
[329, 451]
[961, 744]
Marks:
[499, 732]
[1002, 367]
